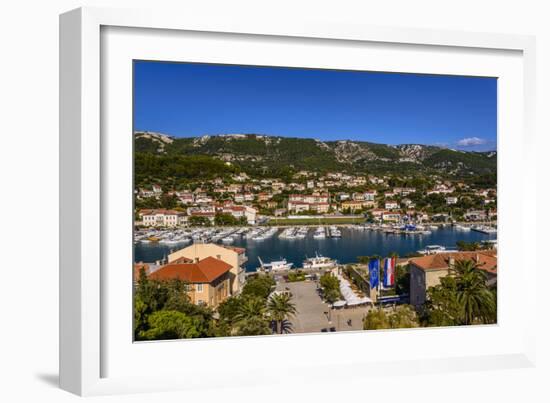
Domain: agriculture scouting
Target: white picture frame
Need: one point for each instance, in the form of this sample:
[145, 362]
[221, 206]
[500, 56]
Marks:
[86, 318]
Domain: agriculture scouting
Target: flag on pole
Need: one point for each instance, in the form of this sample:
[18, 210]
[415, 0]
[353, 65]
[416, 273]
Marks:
[374, 267]
[389, 272]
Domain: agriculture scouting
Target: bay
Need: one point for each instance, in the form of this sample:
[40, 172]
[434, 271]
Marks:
[353, 243]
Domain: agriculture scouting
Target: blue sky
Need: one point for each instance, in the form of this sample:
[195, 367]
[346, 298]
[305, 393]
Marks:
[184, 100]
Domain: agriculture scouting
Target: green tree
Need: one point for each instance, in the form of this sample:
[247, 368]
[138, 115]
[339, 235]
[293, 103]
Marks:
[140, 316]
[376, 319]
[199, 221]
[168, 201]
[281, 308]
[164, 325]
[442, 308]
[229, 309]
[461, 298]
[256, 326]
[402, 279]
[153, 296]
[250, 317]
[259, 286]
[468, 246]
[222, 219]
[476, 301]
[404, 316]
[331, 287]
[251, 307]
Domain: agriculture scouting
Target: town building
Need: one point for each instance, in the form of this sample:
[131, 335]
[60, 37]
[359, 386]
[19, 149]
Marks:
[208, 280]
[343, 196]
[391, 205]
[475, 215]
[262, 197]
[369, 195]
[427, 271]
[352, 205]
[235, 257]
[203, 198]
[146, 193]
[404, 191]
[235, 188]
[391, 216]
[451, 200]
[249, 213]
[186, 198]
[162, 218]
[317, 202]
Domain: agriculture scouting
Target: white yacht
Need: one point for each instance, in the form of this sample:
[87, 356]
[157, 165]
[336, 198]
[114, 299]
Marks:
[484, 229]
[318, 262]
[319, 233]
[276, 265]
[335, 232]
[433, 249]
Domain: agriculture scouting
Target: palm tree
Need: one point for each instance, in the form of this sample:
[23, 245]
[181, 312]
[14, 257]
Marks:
[250, 318]
[475, 299]
[280, 308]
[250, 308]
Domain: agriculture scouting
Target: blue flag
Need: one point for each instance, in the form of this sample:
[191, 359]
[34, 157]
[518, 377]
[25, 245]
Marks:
[374, 270]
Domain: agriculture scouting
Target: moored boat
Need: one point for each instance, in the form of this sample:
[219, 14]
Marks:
[318, 262]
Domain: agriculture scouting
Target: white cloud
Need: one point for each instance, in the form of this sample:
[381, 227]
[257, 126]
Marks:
[471, 141]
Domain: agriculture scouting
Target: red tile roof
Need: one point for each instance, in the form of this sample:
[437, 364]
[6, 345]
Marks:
[234, 248]
[159, 211]
[205, 271]
[487, 260]
[181, 260]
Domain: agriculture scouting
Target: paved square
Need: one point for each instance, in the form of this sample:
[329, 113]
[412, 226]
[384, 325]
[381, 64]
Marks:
[313, 313]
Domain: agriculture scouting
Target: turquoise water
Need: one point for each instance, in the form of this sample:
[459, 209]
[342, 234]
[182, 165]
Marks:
[353, 243]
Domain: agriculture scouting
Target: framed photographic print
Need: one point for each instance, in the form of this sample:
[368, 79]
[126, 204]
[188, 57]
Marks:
[238, 194]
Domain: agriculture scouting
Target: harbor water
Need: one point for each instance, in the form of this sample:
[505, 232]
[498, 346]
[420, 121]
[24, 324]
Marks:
[353, 243]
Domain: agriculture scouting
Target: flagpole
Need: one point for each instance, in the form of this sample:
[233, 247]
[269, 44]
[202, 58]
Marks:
[379, 285]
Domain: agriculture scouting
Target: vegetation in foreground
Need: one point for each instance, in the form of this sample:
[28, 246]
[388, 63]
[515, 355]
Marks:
[462, 298]
[163, 310]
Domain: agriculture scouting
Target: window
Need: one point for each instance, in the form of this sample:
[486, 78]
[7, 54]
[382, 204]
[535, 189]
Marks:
[199, 287]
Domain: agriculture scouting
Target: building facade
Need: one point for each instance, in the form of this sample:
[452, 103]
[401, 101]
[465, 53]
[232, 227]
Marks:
[235, 257]
[427, 271]
[208, 280]
[162, 218]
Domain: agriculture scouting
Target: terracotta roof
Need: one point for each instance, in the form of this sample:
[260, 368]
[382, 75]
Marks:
[181, 260]
[159, 211]
[487, 260]
[205, 271]
[203, 214]
[234, 248]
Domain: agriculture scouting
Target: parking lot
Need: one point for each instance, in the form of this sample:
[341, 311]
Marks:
[316, 316]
